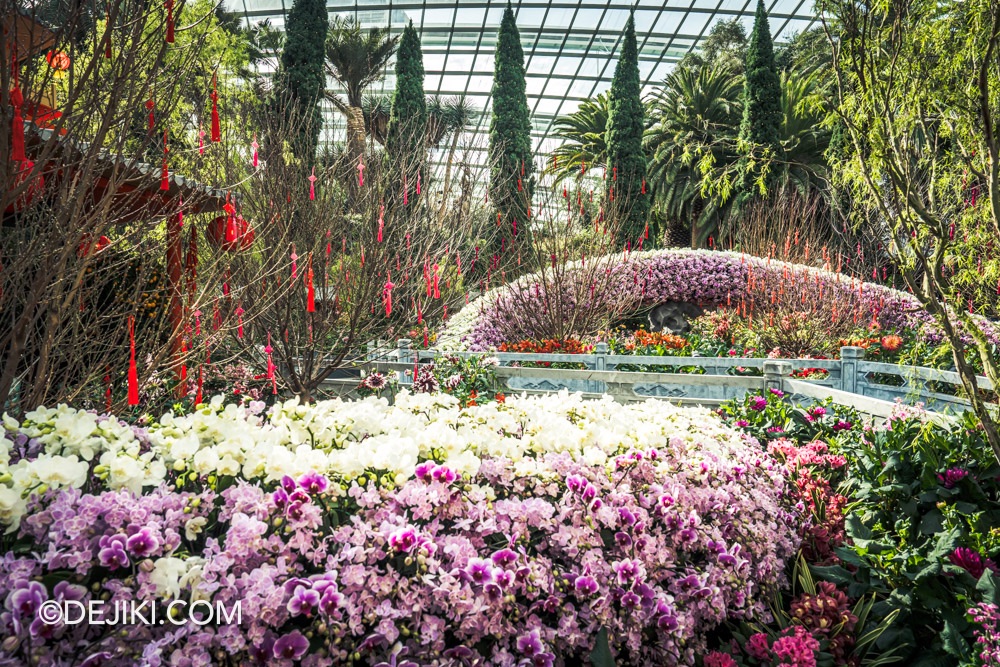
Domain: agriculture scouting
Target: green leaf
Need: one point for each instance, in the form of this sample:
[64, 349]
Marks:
[601, 655]
[932, 523]
[987, 585]
[954, 642]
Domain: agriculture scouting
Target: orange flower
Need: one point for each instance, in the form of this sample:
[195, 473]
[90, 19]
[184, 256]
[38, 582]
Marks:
[500, 397]
[891, 343]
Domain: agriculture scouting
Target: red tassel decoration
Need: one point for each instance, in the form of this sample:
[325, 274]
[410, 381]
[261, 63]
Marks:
[270, 365]
[426, 341]
[216, 127]
[253, 147]
[437, 290]
[107, 393]
[310, 290]
[381, 221]
[295, 267]
[201, 140]
[387, 295]
[312, 184]
[418, 182]
[165, 176]
[406, 198]
[170, 21]
[239, 321]
[17, 122]
[361, 171]
[133, 374]
[201, 382]
[150, 105]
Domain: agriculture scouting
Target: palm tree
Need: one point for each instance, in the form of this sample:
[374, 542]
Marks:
[356, 58]
[692, 143]
[803, 136]
[583, 134]
[458, 113]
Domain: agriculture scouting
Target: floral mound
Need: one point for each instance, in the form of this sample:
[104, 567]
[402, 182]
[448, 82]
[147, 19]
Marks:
[696, 276]
[421, 533]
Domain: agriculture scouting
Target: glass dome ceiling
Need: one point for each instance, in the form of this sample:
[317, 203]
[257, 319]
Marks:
[569, 47]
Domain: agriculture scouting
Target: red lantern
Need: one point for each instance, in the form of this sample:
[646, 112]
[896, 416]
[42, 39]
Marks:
[30, 193]
[57, 60]
[87, 245]
[231, 233]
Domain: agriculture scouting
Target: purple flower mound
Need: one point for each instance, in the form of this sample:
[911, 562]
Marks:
[696, 276]
[497, 568]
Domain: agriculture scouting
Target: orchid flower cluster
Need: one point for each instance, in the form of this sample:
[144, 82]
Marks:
[425, 532]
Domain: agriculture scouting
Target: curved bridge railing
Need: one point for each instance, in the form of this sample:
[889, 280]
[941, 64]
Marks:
[871, 387]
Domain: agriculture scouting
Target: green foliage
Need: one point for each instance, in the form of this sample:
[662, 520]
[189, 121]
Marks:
[512, 171]
[724, 48]
[692, 144]
[627, 204]
[768, 416]
[584, 139]
[301, 78]
[405, 137]
[357, 57]
[471, 380]
[907, 521]
[760, 129]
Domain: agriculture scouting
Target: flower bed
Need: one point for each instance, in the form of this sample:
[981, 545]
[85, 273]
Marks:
[510, 533]
[697, 276]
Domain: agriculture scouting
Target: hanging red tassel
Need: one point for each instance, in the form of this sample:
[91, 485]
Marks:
[133, 374]
[381, 221]
[150, 106]
[107, 393]
[643, 190]
[201, 140]
[361, 171]
[310, 290]
[312, 184]
[437, 290]
[253, 148]
[165, 176]
[387, 295]
[418, 182]
[201, 383]
[239, 321]
[406, 198]
[270, 365]
[295, 267]
[170, 21]
[216, 127]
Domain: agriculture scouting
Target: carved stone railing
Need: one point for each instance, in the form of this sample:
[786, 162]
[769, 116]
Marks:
[871, 387]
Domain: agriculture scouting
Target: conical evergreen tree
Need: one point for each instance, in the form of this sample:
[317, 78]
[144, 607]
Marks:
[761, 126]
[301, 79]
[512, 172]
[627, 204]
[405, 143]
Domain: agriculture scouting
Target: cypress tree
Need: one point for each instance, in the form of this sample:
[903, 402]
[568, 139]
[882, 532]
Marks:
[405, 145]
[762, 116]
[628, 206]
[301, 78]
[512, 171]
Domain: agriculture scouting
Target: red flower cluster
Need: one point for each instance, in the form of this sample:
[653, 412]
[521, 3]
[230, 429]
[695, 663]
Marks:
[547, 346]
[827, 614]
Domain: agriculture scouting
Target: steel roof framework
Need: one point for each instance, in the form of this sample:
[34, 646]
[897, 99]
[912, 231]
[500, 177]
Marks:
[570, 47]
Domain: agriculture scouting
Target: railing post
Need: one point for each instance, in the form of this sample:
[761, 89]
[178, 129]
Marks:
[849, 358]
[403, 356]
[600, 364]
[775, 373]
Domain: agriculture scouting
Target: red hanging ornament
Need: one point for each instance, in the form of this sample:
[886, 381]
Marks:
[133, 374]
[310, 289]
[255, 160]
[361, 171]
[437, 290]
[239, 321]
[381, 221]
[387, 295]
[107, 393]
[165, 175]
[418, 182]
[295, 267]
[170, 21]
[406, 197]
[201, 383]
[201, 140]
[270, 365]
[312, 184]
[216, 126]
